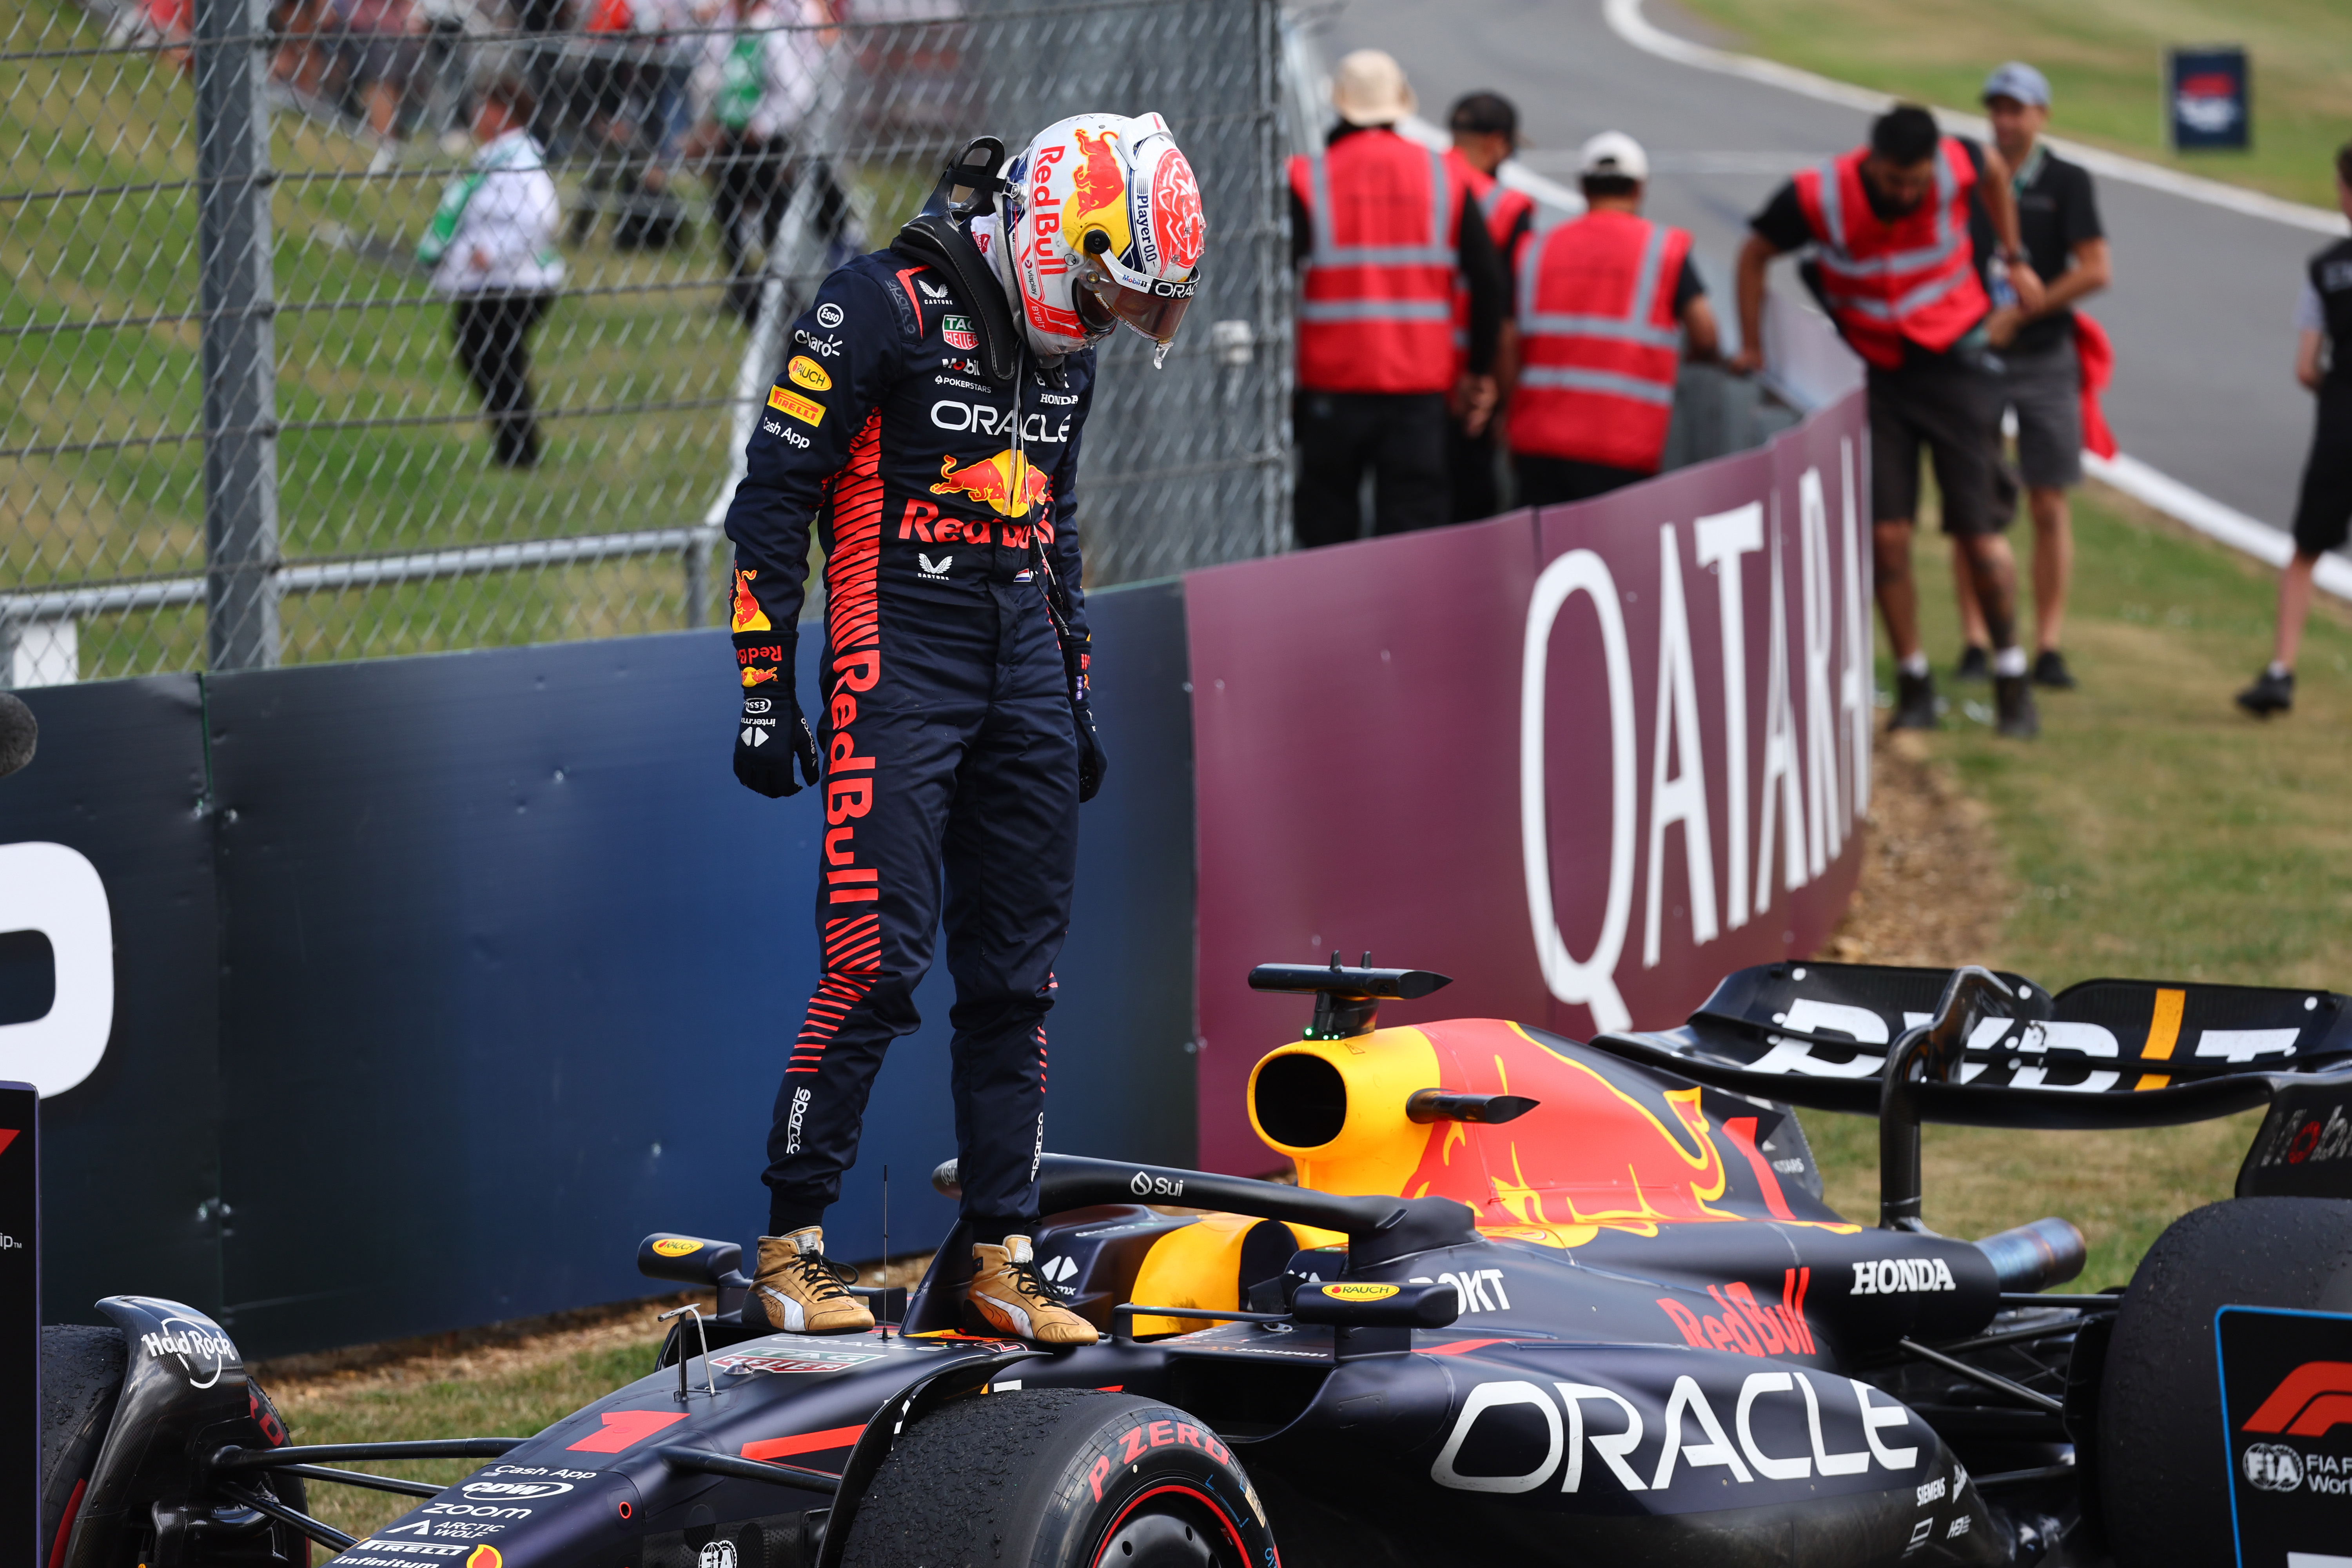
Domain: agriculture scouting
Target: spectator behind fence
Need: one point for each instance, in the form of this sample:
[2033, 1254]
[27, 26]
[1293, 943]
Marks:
[376, 53]
[1892, 263]
[2041, 368]
[1485, 128]
[2323, 514]
[1386, 234]
[1607, 304]
[767, 76]
[491, 247]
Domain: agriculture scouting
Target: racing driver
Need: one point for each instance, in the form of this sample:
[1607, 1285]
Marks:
[928, 421]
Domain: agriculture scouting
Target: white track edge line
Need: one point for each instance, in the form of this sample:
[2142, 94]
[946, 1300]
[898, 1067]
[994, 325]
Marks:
[1626, 20]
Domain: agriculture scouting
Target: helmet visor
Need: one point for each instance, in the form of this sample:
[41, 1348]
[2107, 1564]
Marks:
[1110, 292]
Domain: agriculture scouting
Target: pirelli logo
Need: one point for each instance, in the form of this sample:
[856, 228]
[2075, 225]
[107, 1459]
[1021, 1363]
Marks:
[793, 404]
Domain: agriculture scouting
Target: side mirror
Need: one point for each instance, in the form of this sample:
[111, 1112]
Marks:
[1373, 1318]
[690, 1260]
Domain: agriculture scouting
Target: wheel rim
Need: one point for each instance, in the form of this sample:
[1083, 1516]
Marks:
[1169, 1529]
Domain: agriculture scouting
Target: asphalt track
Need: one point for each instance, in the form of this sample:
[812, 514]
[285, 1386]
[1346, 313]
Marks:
[2201, 310]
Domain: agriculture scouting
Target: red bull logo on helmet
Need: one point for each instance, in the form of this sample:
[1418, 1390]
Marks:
[1008, 483]
[1098, 193]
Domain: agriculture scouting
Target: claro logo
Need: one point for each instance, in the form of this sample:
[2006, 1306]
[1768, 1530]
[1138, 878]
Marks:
[50, 888]
[1810, 697]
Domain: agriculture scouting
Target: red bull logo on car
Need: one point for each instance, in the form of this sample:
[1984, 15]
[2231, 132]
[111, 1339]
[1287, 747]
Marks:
[1008, 483]
[1638, 1159]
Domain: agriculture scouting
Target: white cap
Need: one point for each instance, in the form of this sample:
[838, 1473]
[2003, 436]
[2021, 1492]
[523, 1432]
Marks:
[1613, 153]
[1369, 89]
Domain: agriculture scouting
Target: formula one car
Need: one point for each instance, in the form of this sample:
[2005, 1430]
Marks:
[1533, 1300]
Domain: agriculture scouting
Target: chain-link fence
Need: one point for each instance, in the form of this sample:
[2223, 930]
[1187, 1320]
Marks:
[239, 430]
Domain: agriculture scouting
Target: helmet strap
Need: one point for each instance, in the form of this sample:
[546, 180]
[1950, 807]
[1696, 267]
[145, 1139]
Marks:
[939, 235]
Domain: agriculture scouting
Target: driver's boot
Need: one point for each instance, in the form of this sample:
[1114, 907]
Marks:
[1014, 1299]
[796, 1291]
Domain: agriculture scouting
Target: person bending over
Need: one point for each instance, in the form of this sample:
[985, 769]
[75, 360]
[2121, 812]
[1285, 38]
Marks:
[928, 421]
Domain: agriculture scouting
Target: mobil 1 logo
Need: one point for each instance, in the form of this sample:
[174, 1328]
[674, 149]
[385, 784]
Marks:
[2286, 1415]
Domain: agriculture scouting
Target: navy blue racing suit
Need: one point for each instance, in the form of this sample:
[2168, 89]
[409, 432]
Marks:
[946, 730]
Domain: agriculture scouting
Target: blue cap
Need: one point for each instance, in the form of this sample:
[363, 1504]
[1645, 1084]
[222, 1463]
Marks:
[2021, 81]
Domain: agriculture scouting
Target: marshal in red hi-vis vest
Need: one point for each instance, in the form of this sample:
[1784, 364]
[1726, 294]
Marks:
[1914, 277]
[1504, 210]
[1598, 342]
[1376, 306]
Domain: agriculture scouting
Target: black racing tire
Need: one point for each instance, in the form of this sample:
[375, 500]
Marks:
[81, 1381]
[2164, 1494]
[1059, 1478]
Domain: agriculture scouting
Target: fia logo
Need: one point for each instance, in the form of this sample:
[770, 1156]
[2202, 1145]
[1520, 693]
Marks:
[935, 568]
[719, 1553]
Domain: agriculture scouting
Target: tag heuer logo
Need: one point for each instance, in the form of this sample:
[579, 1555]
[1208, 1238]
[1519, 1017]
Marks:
[957, 330]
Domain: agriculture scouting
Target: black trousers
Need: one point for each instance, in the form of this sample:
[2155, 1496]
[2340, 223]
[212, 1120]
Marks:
[971, 778]
[493, 334]
[1399, 436]
[1554, 481]
[1470, 471]
[747, 203]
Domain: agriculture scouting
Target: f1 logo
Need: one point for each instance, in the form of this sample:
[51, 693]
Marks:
[50, 888]
[2309, 1401]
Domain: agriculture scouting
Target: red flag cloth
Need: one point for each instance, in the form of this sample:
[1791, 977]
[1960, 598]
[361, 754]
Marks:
[2097, 353]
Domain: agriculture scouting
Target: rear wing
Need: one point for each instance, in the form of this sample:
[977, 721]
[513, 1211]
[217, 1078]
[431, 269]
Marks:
[2101, 1053]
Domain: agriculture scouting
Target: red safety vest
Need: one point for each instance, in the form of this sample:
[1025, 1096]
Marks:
[1375, 304]
[1599, 341]
[1912, 278]
[1503, 209]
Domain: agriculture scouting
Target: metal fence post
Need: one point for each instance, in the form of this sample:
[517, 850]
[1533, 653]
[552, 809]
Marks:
[240, 408]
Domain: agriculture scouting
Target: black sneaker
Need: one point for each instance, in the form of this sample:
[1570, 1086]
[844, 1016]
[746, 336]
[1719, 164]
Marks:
[2012, 697]
[1915, 702]
[1975, 664]
[2269, 694]
[2050, 670]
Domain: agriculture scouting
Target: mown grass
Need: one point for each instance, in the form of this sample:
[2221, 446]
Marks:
[2153, 831]
[381, 446]
[2105, 60]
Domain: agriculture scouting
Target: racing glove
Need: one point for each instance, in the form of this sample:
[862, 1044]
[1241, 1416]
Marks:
[1092, 762]
[770, 734]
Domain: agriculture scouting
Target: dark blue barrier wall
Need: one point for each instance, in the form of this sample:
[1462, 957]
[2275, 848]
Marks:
[130, 1155]
[506, 968]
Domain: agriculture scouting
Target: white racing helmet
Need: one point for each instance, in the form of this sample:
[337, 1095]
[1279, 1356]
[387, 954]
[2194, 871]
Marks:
[1099, 223]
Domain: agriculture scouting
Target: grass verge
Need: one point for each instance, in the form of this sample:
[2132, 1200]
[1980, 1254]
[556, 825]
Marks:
[2105, 60]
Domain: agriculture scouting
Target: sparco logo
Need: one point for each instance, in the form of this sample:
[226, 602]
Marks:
[2272, 1468]
[201, 1353]
[500, 1491]
[1900, 1276]
[792, 1127]
[1146, 1185]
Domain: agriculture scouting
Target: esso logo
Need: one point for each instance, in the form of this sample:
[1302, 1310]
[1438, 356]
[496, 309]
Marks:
[828, 315]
